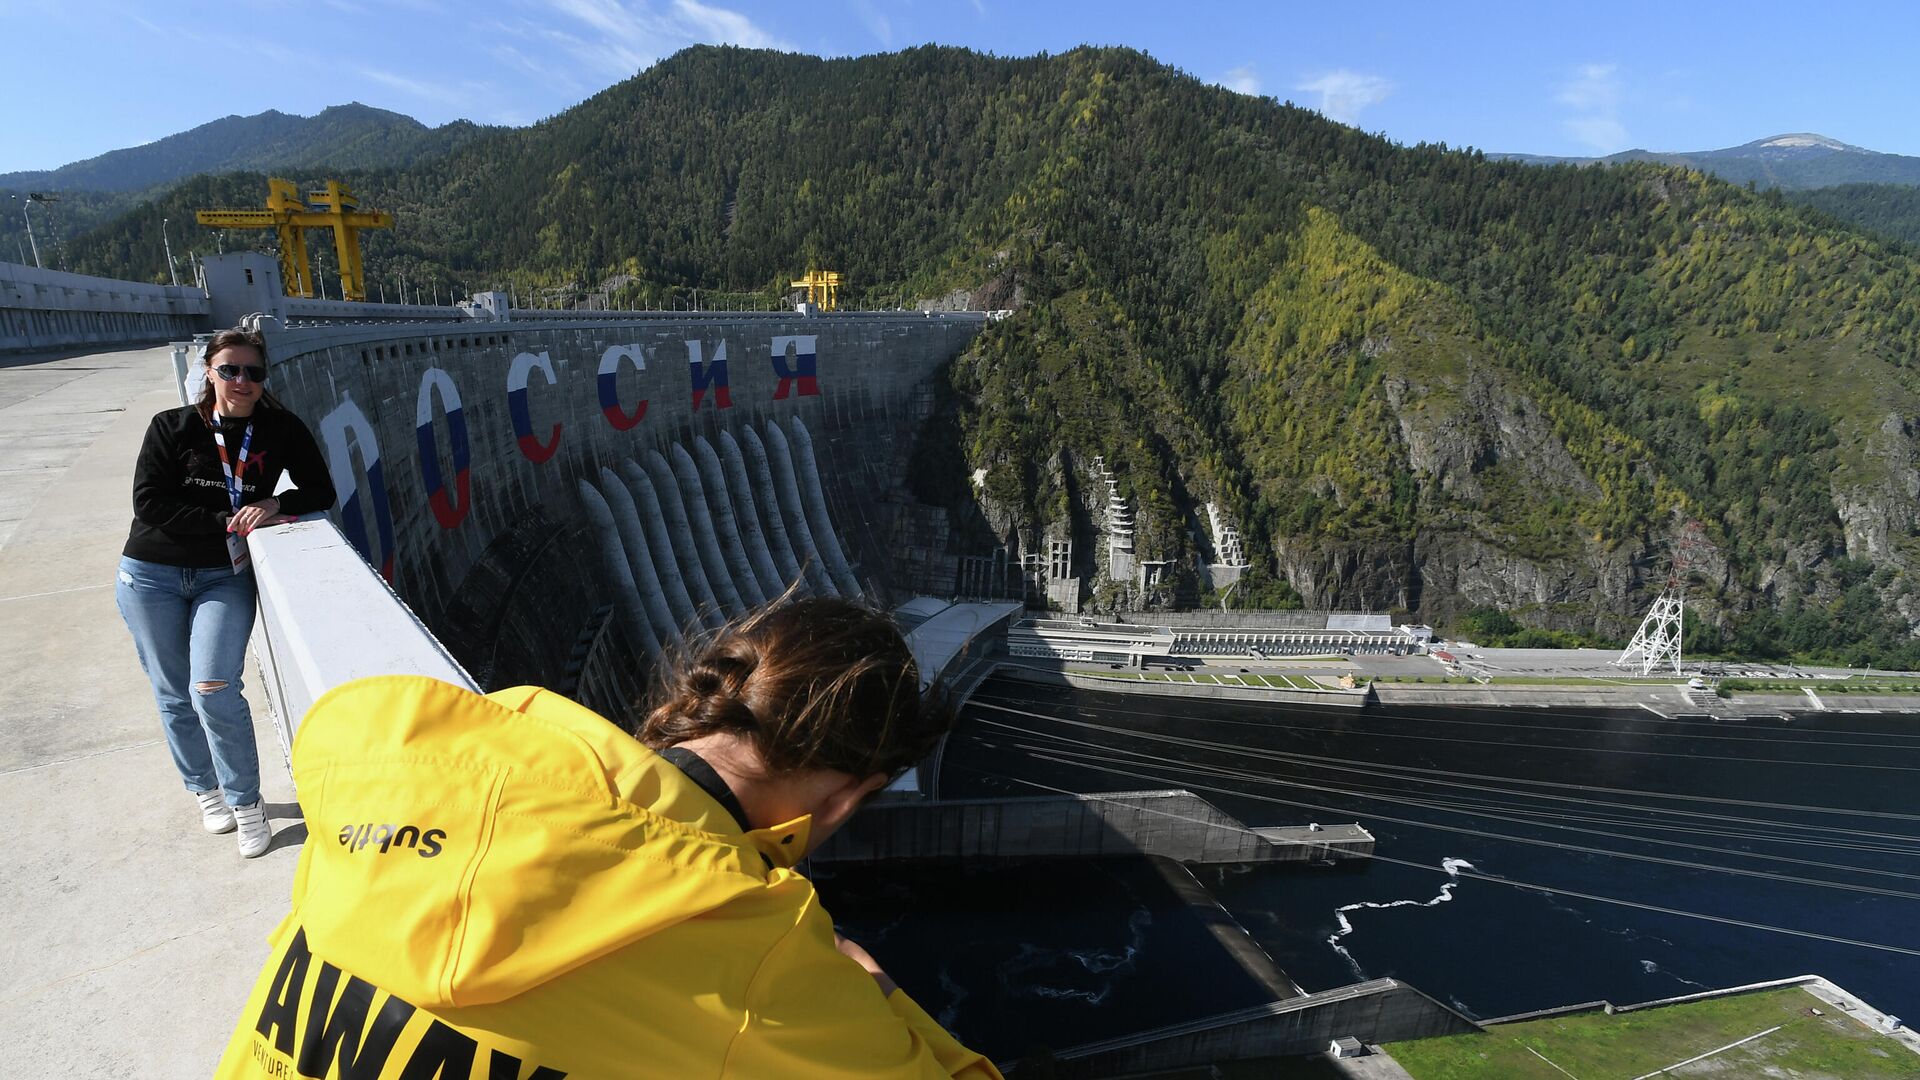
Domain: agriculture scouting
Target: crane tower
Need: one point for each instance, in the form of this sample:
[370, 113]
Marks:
[291, 216]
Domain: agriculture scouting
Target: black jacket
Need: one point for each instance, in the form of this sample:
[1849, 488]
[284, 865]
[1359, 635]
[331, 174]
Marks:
[180, 505]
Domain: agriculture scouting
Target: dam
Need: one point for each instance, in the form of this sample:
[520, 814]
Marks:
[560, 498]
[556, 498]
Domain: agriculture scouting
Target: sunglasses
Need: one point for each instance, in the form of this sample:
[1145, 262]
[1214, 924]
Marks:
[230, 372]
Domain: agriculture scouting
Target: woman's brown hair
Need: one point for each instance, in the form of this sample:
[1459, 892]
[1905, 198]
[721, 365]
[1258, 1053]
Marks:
[812, 683]
[227, 339]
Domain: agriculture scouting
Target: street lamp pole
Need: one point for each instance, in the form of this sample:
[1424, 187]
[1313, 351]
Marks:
[167, 242]
[28, 218]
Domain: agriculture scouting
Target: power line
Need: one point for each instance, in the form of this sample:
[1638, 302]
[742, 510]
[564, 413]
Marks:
[1486, 835]
[1474, 810]
[1381, 712]
[1516, 883]
[1271, 726]
[1387, 772]
[1336, 763]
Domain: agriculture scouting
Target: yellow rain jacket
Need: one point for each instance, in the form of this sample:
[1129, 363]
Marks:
[509, 887]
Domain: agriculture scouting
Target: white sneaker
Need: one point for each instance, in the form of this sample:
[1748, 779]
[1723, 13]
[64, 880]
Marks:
[215, 815]
[255, 834]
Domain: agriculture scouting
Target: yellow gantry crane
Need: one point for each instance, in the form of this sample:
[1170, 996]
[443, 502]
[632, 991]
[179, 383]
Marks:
[335, 208]
[823, 288]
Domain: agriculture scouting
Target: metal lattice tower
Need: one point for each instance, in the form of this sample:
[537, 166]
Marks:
[1657, 644]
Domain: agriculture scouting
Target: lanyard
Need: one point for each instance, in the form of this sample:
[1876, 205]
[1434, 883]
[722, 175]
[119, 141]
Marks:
[246, 443]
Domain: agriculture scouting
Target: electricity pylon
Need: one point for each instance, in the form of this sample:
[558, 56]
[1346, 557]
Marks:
[1657, 643]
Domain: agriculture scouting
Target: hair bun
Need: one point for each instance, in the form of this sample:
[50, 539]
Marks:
[812, 682]
[720, 674]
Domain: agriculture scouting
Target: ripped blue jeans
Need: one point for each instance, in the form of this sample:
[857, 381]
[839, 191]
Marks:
[191, 627]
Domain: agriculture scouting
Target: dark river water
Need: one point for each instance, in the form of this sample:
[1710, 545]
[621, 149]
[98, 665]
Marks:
[1528, 858]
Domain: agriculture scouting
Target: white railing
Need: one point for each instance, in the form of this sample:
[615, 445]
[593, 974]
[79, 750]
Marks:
[326, 618]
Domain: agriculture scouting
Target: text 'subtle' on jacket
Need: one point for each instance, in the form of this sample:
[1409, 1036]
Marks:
[510, 886]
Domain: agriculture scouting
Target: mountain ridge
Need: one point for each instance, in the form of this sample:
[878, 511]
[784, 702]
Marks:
[1415, 378]
[352, 135]
[1791, 160]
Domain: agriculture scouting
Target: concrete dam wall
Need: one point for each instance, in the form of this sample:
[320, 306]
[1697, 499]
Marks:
[52, 309]
[558, 499]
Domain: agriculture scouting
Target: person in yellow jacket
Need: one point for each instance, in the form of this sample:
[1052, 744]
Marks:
[509, 887]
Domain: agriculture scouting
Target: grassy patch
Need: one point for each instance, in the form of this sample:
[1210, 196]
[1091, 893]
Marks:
[1866, 685]
[1527, 680]
[1595, 1045]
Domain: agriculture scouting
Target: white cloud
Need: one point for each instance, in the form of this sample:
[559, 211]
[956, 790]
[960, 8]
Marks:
[1344, 94]
[1593, 88]
[1241, 80]
[722, 26]
[877, 22]
[621, 37]
[422, 91]
[1593, 94]
[1604, 133]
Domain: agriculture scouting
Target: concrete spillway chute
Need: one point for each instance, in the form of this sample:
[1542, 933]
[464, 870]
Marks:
[686, 546]
[779, 542]
[666, 563]
[793, 510]
[640, 561]
[806, 466]
[716, 553]
[746, 513]
[614, 562]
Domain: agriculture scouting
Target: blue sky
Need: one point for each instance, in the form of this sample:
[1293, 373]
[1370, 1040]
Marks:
[80, 77]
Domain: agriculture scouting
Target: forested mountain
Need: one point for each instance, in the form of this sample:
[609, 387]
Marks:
[352, 136]
[1415, 377]
[1889, 210]
[1795, 161]
[94, 191]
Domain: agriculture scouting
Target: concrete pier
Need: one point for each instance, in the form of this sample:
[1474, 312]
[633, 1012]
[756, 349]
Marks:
[1319, 843]
[1378, 1011]
[1178, 825]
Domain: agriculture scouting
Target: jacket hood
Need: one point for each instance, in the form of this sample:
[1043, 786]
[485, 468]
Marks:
[464, 848]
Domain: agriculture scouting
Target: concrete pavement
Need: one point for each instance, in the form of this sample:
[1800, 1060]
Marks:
[128, 936]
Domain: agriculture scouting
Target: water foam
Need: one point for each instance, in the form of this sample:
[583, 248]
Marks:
[1652, 968]
[1032, 970]
[1450, 865]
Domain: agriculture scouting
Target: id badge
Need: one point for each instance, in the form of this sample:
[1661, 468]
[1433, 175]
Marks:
[237, 552]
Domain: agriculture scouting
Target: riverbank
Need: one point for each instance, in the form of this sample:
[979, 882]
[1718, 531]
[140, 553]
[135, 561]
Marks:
[1336, 698]
[1412, 682]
